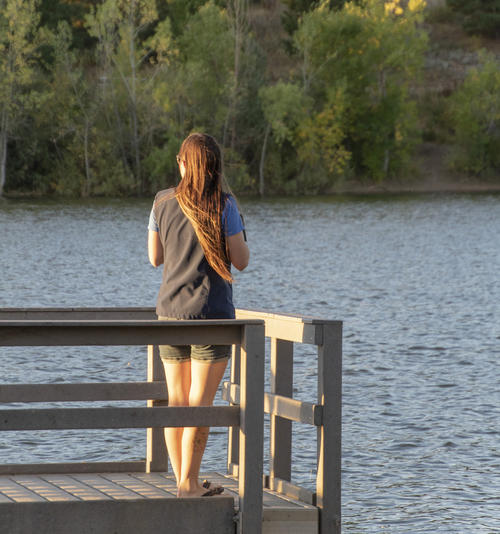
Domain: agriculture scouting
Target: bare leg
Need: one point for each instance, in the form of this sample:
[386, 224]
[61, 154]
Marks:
[205, 379]
[178, 384]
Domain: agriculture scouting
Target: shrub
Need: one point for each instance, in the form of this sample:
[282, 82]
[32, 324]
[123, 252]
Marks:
[475, 115]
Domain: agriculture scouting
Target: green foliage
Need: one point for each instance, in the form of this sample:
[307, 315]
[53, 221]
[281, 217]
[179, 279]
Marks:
[53, 12]
[99, 99]
[351, 109]
[475, 113]
[64, 116]
[316, 136]
[321, 135]
[179, 12]
[434, 119]
[206, 69]
[367, 57]
[479, 16]
[127, 83]
[285, 107]
[112, 123]
[192, 84]
[19, 96]
[210, 85]
[295, 9]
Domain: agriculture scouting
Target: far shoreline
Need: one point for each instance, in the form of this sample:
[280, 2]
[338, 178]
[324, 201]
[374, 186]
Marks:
[428, 173]
[416, 188]
[346, 189]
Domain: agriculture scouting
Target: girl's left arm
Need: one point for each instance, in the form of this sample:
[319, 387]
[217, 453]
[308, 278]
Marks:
[239, 253]
[155, 248]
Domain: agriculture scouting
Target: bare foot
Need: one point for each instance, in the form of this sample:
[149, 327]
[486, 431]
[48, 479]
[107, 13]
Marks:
[197, 492]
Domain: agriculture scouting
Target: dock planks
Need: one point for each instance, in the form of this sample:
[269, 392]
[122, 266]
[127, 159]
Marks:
[22, 498]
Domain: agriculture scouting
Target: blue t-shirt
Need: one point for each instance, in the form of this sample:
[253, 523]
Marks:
[232, 222]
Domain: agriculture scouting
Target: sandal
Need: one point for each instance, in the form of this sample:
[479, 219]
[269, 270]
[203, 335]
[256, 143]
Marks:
[212, 489]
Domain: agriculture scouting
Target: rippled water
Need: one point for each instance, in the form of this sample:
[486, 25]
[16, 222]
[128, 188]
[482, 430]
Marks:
[416, 282]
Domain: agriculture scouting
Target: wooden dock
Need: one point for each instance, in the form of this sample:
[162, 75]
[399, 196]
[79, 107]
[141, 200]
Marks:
[139, 496]
[134, 503]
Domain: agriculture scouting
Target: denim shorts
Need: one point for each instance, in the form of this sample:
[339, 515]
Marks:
[183, 353]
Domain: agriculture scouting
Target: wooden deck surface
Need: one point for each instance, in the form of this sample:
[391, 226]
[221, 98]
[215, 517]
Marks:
[280, 514]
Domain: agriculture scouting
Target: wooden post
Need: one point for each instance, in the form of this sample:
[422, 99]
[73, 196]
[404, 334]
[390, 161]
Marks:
[328, 483]
[280, 439]
[156, 450]
[251, 430]
[233, 443]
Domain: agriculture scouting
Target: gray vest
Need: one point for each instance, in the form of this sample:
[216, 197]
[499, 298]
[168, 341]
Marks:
[190, 288]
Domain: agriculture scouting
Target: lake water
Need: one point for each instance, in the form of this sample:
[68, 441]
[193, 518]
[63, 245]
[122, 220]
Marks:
[416, 280]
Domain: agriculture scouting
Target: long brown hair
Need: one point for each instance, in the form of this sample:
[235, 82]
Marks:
[201, 197]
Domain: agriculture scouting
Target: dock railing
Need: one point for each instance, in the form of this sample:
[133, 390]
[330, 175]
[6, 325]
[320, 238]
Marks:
[245, 393]
[283, 331]
[84, 327]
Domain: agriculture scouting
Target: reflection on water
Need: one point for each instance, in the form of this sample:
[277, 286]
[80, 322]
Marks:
[415, 279]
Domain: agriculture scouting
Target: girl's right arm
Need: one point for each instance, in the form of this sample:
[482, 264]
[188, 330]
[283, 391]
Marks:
[155, 248]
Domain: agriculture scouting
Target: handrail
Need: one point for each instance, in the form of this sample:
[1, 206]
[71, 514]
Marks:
[86, 391]
[284, 407]
[77, 313]
[247, 418]
[43, 332]
[284, 330]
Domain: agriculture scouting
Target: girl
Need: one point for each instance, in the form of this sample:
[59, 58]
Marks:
[196, 231]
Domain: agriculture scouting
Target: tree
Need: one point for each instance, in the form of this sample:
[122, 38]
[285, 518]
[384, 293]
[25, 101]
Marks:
[238, 10]
[205, 87]
[295, 9]
[373, 51]
[475, 114]
[18, 54]
[53, 12]
[180, 11]
[69, 114]
[122, 58]
[349, 106]
[285, 107]
[206, 70]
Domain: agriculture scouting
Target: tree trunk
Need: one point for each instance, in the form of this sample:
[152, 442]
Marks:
[387, 159]
[3, 150]
[383, 93]
[263, 160]
[86, 154]
[121, 145]
[133, 100]
[239, 10]
[113, 119]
